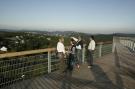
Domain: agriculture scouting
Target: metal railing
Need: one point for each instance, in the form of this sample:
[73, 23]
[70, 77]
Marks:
[15, 67]
[124, 52]
[18, 66]
[128, 42]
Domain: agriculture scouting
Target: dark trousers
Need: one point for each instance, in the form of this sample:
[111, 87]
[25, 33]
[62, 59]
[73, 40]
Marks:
[79, 56]
[90, 59]
[62, 62]
[70, 62]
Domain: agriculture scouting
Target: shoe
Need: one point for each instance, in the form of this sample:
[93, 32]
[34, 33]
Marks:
[89, 67]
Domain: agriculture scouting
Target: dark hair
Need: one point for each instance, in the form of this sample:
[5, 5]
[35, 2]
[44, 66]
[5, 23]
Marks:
[92, 37]
[73, 41]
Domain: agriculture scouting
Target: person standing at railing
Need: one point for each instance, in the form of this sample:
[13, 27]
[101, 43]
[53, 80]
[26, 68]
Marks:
[61, 54]
[71, 58]
[79, 47]
[91, 48]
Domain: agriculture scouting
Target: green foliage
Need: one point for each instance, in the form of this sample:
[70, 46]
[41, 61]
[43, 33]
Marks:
[103, 38]
[39, 41]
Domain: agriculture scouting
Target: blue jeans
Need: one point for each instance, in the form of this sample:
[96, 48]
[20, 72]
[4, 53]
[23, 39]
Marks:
[71, 62]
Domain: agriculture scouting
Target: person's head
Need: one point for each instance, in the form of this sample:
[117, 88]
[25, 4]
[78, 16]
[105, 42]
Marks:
[72, 41]
[92, 37]
[61, 39]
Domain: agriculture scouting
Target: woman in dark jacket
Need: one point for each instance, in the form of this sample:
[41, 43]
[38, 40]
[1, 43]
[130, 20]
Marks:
[71, 60]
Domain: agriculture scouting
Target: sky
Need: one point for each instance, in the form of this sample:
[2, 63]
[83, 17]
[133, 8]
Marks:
[89, 16]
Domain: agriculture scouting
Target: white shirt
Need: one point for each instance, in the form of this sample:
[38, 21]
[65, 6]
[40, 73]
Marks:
[78, 47]
[91, 45]
[60, 47]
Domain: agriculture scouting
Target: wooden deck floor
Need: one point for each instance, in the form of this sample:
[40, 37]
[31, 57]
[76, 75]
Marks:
[103, 75]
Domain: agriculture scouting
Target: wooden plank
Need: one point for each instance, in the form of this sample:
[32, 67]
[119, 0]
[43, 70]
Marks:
[54, 83]
[27, 84]
[41, 84]
[33, 85]
[22, 53]
[46, 85]
[62, 81]
[36, 85]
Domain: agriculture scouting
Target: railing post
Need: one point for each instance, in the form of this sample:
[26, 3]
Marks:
[114, 44]
[83, 53]
[49, 62]
[126, 43]
[100, 49]
[129, 44]
[133, 46]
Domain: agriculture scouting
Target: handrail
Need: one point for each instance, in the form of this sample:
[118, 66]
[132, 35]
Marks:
[26, 64]
[22, 53]
[128, 42]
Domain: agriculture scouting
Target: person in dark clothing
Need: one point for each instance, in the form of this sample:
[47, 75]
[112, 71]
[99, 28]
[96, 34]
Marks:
[71, 60]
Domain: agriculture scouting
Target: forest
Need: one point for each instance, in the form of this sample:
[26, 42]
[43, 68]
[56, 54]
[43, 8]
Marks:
[20, 41]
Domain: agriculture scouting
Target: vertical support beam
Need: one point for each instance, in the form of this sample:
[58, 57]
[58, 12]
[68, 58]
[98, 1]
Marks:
[100, 49]
[133, 46]
[49, 62]
[83, 53]
[126, 43]
[114, 44]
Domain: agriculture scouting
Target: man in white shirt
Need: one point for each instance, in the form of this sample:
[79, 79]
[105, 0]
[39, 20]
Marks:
[91, 48]
[60, 46]
[61, 53]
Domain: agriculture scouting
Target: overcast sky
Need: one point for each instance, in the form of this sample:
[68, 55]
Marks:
[90, 16]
